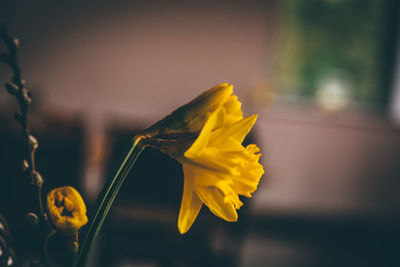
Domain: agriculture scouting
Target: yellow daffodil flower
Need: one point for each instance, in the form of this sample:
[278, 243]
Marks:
[206, 137]
[217, 169]
[66, 209]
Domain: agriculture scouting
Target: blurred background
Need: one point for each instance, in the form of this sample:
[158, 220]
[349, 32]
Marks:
[323, 75]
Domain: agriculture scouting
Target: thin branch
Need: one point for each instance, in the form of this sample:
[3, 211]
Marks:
[16, 87]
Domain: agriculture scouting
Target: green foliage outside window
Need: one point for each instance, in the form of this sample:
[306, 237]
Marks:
[331, 39]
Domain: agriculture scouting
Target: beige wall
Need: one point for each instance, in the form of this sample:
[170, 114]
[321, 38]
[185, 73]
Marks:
[142, 58]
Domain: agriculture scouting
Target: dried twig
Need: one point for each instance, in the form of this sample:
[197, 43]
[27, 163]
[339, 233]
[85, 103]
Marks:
[16, 87]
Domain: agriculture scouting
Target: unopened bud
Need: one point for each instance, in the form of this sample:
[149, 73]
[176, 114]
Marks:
[33, 143]
[10, 260]
[26, 96]
[25, 165]
[16, 42]
[37, 179]
[32, 218]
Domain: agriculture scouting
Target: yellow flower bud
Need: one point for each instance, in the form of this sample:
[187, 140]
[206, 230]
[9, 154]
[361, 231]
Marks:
[66, 209]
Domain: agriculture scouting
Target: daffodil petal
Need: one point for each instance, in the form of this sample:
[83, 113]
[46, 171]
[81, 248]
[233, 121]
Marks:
[202, 140]
[214, 198]
[211, 160]
[191, 204]
[213, 97]
[198, 111]
[238, 131]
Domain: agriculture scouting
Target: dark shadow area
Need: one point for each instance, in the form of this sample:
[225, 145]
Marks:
[60, 161]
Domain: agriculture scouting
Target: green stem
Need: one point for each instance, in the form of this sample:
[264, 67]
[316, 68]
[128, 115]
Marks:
[46, 242]
[105, 200]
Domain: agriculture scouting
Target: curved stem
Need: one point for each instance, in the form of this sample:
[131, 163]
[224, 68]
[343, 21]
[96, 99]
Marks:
[105, 200]
[46, 241]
